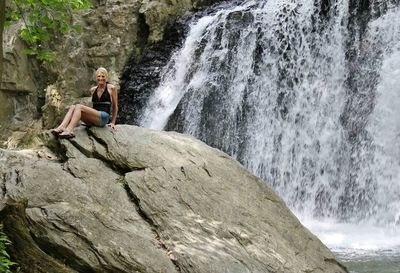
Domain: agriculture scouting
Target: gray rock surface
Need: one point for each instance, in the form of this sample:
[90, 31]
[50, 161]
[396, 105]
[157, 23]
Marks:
[18, 87]
[112, 32]
[138, 200]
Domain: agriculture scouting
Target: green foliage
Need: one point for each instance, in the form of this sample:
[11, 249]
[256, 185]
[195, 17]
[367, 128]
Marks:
[121, 180]
[5, 262]
[43, 19]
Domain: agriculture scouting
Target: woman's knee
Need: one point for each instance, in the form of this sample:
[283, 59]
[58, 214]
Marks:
[78, 107]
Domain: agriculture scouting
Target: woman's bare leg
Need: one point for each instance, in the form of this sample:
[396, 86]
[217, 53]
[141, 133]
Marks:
[87, 114]
[66, 119]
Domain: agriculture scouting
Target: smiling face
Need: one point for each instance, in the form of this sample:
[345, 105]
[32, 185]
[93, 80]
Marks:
[101, 78]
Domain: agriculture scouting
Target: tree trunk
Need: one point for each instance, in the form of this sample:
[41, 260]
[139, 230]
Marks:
[2, 19]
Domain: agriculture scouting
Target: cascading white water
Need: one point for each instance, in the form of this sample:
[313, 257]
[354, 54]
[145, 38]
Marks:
[384, 122]
[268, 82]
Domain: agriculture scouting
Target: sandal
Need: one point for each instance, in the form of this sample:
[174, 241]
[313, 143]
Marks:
[66, 135]
[57, 131]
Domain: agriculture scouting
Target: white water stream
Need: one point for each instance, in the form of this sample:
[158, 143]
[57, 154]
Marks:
[268, 82]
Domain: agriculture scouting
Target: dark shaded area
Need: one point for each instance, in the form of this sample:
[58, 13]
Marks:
[325, 7]
[24, 250]
[34, 252]
[141, 76]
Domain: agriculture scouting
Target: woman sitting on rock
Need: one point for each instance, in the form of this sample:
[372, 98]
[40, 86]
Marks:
[104, 95]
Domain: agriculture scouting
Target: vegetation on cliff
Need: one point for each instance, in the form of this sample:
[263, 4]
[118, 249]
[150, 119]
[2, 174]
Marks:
[42, 19]
[5, 262]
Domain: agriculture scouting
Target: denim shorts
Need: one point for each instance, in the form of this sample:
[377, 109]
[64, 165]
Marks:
[104, 118]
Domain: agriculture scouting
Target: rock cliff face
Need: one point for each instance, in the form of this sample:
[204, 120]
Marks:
[112, 32]
[137, 200]
[18, 88]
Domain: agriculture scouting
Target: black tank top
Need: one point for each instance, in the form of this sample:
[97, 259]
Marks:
[104, 102]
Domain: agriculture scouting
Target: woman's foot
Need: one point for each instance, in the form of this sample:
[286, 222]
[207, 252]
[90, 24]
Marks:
[57, 131]
[66, 135]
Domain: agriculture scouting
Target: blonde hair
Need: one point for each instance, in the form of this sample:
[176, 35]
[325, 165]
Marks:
[102, 70]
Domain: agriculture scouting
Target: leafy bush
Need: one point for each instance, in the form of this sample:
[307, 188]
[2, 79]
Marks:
[43, 19]
[5, 262]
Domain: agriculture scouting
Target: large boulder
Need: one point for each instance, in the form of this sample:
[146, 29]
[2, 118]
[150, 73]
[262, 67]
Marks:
[138, 200]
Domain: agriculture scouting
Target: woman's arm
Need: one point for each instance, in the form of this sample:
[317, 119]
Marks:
[114, 101]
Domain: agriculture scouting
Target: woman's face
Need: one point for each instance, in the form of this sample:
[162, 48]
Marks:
[101, 78]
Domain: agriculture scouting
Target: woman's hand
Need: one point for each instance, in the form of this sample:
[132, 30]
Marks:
[111, 125]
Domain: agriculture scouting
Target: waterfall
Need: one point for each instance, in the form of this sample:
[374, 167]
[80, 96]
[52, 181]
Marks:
[285, 88]
[384, 121]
